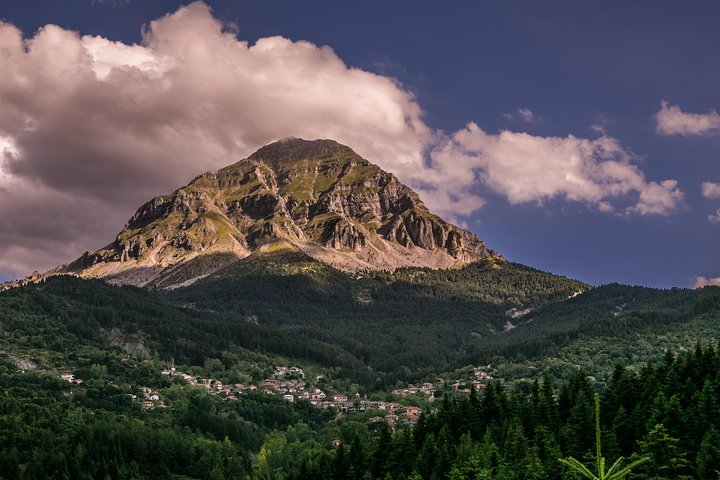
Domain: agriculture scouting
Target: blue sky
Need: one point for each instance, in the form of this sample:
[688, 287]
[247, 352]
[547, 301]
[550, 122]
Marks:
[551, 70]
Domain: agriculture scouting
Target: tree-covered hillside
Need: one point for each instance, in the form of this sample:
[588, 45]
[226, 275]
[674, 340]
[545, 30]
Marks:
[374, 330]
[609, 324]
[667, 412]
[55, 321]
[402, 321]
[52, 429]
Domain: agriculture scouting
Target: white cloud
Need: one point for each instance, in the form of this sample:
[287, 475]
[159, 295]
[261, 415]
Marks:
[710, 190]
[115, 124]
[704, 282]
[526, 115]
[8, 151]
[673, 121]
[714, 218]
[7, 146]
[107, 55]
[599, 129]
[191, 98]
[526, 168]
[91, 128]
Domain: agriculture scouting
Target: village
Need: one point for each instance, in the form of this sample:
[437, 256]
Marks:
[481, 376]
[289, 383]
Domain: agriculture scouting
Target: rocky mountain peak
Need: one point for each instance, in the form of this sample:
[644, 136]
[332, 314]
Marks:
[288, 150]
[319, 197]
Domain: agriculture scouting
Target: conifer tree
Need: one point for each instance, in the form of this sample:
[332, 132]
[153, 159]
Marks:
[616, 470]
[667, 460]
[708, 459]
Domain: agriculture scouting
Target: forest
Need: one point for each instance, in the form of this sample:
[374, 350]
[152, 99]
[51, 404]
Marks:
[412, 320]
[376, 329]
[51, 429]
[667, 412]
[637, 348]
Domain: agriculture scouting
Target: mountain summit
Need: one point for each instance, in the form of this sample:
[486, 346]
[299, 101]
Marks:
[318, 197]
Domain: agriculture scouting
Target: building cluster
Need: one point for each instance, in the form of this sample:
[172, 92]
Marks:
[480, 376]
[428, 389]
[151, 399]
[290, 384]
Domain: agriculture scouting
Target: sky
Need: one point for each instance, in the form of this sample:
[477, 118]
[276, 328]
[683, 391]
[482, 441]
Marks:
[580, 138]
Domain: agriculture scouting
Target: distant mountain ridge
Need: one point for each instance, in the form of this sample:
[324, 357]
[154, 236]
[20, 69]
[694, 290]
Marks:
[318, 197]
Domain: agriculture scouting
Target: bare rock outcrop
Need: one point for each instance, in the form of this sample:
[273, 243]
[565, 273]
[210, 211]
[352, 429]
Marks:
[318, 196]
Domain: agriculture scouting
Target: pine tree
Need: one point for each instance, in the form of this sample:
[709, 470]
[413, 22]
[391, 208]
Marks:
[340, 465]
[707, 407]
[616, 470]
[623, 430]
[534, 468]
[548, 451]
[515, 444]
[708, 459]
[667, 460]
[547, 405]
[379, 456]
[576, 434]
[425, 463]
[401, 455]
[489, 453]
[357, 458]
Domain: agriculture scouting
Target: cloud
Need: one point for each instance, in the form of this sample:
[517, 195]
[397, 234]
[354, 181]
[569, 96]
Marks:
[714, 218]
[673, 121]
[704, 282]
[8, 152]
[91, 128]
[526, 168]
[526, 115]
[710, 190]
[599, 129]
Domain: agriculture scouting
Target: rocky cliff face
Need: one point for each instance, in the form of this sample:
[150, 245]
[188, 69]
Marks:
[316, 196]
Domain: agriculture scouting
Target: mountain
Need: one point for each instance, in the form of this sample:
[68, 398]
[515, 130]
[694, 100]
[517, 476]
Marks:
[317, 197]
[329, 257]
[271, 264]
